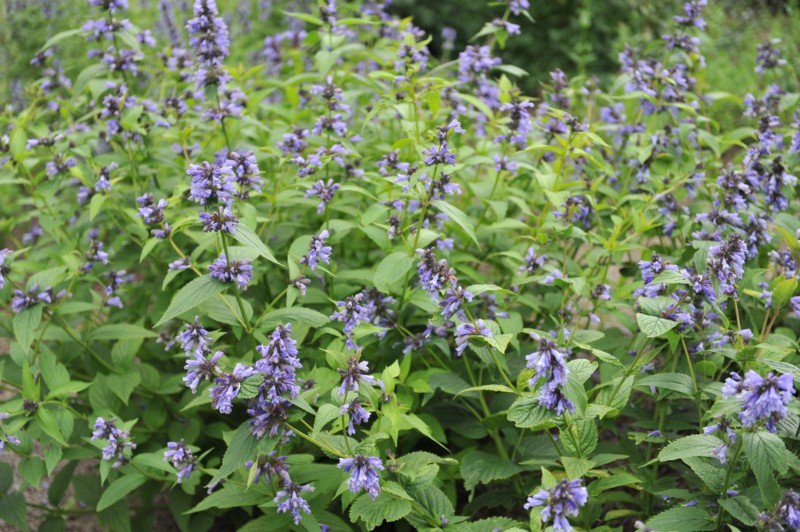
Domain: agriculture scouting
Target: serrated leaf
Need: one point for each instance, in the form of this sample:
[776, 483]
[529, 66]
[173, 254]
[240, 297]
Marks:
[670, 277]
[653, 327]
[783, 292]
[120, 331]
[242, 447]
[391, 272]
[299, 315]
[677, 382]
[118, 489]
[682, 519]
[25, 324]
[580, 438]
[488, 388]
[478, 467]
[123, 385]
[58, 37]
[68, 388]
[248, 238]
[87, 74]
[48, 424]
[231, 496]
[528, 413]
[766, 453]
[614, 481]
[96, 203]
[383, 508]
[694, 445]
[13, 510]
[153, 460]
[194, 293]
[325, 415]
[576, 467]
[459, 218]
[58, 487]
[741, 508]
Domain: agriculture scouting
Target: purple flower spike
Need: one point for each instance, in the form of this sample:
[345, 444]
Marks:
[363, 473]
[563, 500]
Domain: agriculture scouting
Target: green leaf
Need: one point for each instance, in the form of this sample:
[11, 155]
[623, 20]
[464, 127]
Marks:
[25, 324]
[783, 367]
[457, 215]
[116, 517]
[694, 445]
[502, 388]
[783, 292]
[512, 70]
[432, 499]
[653, 327]
[766, 453]
[129, 118]
[87, 75]
[614, 481]
[300, 315]
[670, 277]
[580, 438]
[193, 294]
[58, 37]
[123, 385]
[248, 238]
[682, 519]
[231, 496]
[383, 508]
[118, 489]
[712, 475]
[242, 447]
[305, 17]
[391, 272]
[741, 508]
[58, 487]
[476, 289]
[677, 382]
[617, 393]
[53, 373]
[32, 470]
[576, 467]
[54, 523]
[120, 331]
[528, 413]
[49, 425]
[217, 309]
[325, 415]
[13, 510]
[30, 387]
[478, 467]
[68, 388]
[608, 358]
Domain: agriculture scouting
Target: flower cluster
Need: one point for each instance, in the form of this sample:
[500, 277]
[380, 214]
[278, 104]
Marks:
[363, 473]
[563, 500]
[182, 459]
[761, 398]
[118, 441]
[549, 364]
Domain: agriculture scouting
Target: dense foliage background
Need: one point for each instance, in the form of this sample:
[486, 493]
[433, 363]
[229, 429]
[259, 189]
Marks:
[347, 265]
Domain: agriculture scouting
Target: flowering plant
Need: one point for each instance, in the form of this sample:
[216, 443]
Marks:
[349, 284]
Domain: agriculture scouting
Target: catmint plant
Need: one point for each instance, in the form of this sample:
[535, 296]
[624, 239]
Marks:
[299, 265]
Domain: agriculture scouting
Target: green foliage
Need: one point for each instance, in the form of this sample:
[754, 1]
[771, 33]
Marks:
[453, 293]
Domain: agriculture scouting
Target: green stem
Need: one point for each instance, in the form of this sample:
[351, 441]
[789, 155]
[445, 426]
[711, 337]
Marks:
[728, 475]
[694, 380]
[235, 285]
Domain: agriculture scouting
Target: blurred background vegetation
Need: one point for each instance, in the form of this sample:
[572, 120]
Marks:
[581, 37]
